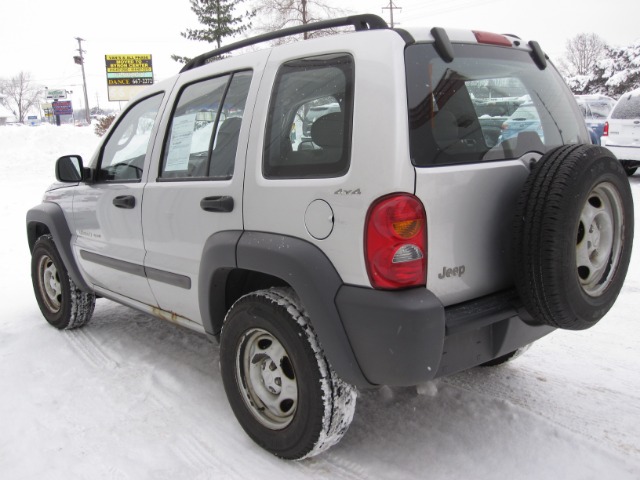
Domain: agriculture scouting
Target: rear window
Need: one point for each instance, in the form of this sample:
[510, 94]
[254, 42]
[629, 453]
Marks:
[628, 107]
[488, 104]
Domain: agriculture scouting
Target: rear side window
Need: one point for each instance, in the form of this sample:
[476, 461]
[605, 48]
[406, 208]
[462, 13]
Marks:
[203, 137]
[628, 107]
[487, 104]
[308, 133]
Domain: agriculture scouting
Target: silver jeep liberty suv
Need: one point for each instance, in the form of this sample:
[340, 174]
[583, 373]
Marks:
[380, 207]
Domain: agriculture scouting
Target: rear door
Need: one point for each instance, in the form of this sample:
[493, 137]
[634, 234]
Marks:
[195, 188]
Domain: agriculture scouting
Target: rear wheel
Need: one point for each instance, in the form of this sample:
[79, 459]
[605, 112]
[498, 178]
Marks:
[281, 388]
[629, 166]
[573, 235]
[62, 304]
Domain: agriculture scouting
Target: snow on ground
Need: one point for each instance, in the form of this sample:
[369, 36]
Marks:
[131, 397]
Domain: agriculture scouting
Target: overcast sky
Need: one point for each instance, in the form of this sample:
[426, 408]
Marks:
[38, 36]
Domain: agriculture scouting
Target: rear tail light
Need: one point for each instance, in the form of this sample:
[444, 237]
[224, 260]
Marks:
[396, 242]
[605, 132]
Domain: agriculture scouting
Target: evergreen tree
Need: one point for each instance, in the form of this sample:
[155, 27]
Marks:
[618, 72]
[219, 20]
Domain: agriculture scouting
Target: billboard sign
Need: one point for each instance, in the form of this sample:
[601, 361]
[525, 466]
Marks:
[62, 108]
[57, 93]
[127, 74]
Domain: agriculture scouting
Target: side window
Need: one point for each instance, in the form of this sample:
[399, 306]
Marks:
[203, 138]
[309, 128]
[123, 154]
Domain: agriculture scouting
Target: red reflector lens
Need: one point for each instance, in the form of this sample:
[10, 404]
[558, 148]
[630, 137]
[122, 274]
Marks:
[492, 38]
[605, 132]
[396, 242]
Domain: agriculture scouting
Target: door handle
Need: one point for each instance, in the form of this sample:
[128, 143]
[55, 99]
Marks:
[217, 204]
[125, 201]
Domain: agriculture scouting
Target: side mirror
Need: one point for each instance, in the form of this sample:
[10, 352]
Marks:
[69, 169]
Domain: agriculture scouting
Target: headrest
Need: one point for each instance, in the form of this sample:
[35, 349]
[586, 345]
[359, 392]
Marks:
[231, 126]
[328, 131]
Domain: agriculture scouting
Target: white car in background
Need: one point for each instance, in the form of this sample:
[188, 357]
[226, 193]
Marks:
[622, 131]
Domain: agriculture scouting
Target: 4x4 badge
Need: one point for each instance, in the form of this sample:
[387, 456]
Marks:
[341, 191]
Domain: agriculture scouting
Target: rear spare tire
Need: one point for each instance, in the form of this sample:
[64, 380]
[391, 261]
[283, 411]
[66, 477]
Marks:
[573, 234]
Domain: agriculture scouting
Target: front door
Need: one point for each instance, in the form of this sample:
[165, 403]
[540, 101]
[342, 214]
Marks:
[107, 212]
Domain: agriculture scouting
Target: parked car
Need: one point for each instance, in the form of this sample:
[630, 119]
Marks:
[621, 132]
[492, 113]
[595, 110]
[525, 119]
[400, 248]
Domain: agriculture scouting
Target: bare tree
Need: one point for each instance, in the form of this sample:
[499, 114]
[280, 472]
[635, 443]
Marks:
[582, 53]
[279, 14]
[20, 94]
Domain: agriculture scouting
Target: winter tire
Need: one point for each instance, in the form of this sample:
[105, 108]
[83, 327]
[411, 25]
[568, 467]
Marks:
[63, 305]
[279, 384]
[573, 235]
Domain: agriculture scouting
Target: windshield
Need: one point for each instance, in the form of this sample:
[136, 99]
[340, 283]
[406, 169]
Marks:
[449, 118]
[596, 109]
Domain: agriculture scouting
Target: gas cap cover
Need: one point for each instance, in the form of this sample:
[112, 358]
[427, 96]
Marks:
[319, 219]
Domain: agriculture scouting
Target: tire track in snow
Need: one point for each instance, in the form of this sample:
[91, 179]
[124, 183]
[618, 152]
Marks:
[115, 474]
[593, 425]
[197, 456]
[329, 465]
[83, 343]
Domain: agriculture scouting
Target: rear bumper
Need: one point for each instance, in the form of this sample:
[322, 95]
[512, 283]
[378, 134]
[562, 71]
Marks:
[404, 338]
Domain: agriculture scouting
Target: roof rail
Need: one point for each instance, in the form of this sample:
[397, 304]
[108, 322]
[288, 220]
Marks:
[366, 21]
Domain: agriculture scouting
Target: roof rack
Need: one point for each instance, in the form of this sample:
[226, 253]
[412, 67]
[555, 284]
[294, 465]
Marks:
[360, 22]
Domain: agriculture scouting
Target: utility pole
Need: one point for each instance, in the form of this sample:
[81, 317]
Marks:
[80, 59]
[391, 8]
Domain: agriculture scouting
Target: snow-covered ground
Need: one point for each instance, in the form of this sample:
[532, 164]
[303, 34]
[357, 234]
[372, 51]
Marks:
[131, 397]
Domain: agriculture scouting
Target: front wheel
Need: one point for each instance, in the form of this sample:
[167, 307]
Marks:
[61, 302]
[281, 388]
